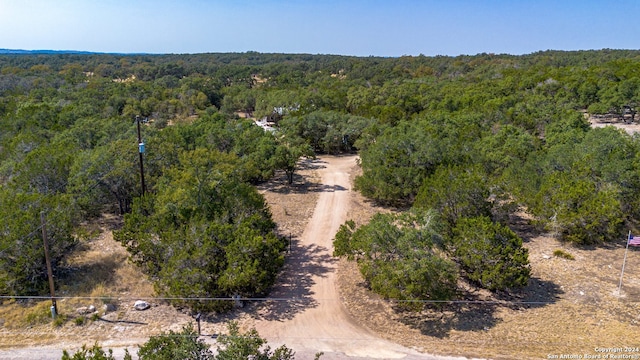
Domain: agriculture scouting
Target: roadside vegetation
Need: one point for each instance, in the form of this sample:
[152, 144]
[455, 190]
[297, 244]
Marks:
[186, 345]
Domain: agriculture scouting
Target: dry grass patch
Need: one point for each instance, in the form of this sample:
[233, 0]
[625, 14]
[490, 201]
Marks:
[292, 205]
[16, 314]
[96, 273]
[100, 270]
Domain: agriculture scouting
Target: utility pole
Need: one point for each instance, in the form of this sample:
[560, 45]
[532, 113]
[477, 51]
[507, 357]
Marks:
[54, 306]
[140, 152]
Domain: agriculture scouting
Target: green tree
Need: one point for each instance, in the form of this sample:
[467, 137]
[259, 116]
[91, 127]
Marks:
[107, 175]
[204, 233]
[577, 209]
[509, 146]
[490, 254]
[343, 243]
[568, 130]
[287, 154]
[253, 261]
[249, 345]
[22, 259]
[398, 256]
[239, 98]
[93, 353]
[176, 345]
[455, 192]
[326, 131]
[396, 163]
[278, 102]
[45, 169]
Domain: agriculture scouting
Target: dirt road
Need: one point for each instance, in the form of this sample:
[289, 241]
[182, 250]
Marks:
[317, 321]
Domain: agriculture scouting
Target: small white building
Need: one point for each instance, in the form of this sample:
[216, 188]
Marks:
[265, 124]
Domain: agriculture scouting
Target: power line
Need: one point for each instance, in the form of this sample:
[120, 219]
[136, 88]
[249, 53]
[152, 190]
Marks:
[287, 299]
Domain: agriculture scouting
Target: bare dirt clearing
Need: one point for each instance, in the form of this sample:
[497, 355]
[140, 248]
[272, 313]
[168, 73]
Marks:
[630, 128]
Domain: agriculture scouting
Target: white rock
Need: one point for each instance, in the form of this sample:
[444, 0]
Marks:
[141, 305]
[86, 310]
[82, 310]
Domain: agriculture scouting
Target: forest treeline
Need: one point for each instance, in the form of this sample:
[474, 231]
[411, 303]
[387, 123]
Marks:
[458, 143]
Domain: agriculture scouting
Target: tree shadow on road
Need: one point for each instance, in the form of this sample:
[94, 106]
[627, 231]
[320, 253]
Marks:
[302, 183]
[292, 293]
[311, 164]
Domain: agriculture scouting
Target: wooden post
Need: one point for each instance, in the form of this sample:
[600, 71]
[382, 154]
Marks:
[54, 306]
[198, 317]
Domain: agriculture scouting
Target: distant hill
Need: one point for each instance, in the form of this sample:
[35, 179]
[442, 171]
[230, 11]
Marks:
[19, 51]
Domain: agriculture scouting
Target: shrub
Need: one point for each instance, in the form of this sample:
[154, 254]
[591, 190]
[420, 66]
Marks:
[490, 254]
[59, 320]
[399, 258]
[186, 345]
[183, 345]
[238, 346]
[38, 314]
[93, 353]
[563, 254]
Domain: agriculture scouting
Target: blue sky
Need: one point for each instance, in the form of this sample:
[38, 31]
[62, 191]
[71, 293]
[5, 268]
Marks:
[348, 27]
